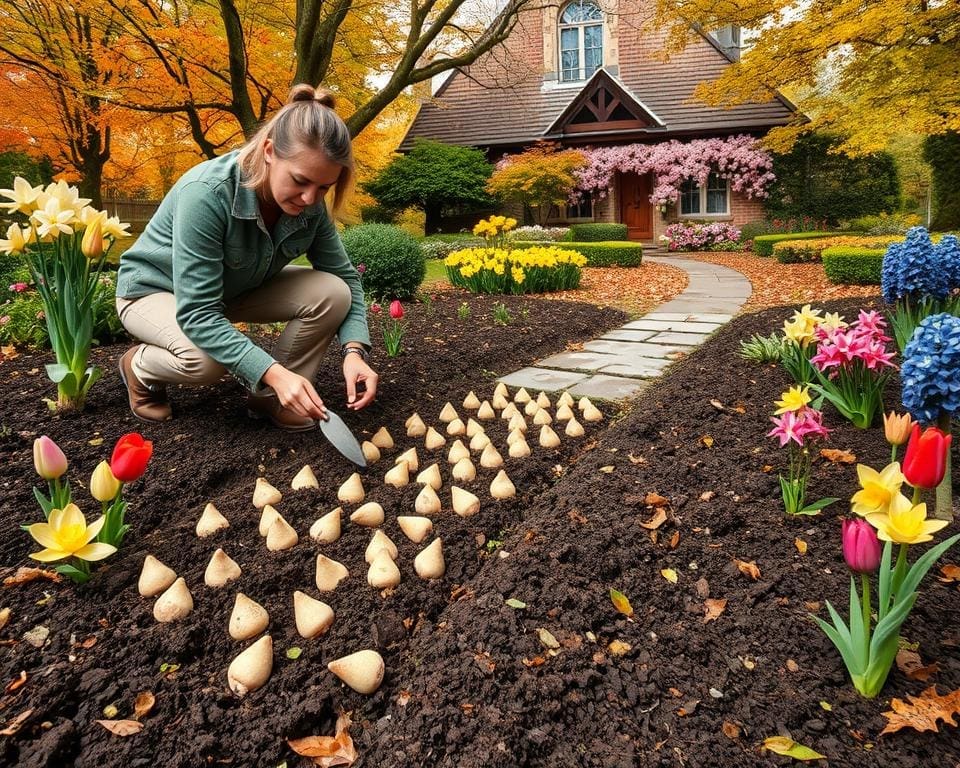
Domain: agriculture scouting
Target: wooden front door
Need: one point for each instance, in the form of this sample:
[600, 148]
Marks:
[636, 210]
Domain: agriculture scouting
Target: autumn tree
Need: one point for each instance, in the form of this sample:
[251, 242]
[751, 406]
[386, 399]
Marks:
[541, 177]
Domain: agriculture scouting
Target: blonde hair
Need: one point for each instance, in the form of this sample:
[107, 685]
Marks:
[306, 121]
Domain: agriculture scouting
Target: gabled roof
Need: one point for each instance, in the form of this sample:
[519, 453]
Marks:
[604, 105]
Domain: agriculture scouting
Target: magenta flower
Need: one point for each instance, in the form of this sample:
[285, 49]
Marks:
[375, 308]
[361, 268]
[861, 547]
[18, 287]
[786, 429]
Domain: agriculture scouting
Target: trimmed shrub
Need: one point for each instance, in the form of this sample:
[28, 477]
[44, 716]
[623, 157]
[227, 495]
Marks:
[437, 248]
[541, 234]
[538, 269]
[617, 253]
[763, 244]
[597, 233]
[807, 251]
[701, 236]
[885, 224]
[390, 261]
[853, 265]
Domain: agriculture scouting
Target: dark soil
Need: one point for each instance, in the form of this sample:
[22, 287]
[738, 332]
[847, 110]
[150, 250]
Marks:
[469, 681]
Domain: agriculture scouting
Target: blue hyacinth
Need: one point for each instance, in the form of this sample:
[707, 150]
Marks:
[921, 273]
[931, 368]
[889, 275]
[948, 254]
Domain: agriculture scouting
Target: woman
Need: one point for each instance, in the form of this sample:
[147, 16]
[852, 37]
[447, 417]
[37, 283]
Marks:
[217, 252]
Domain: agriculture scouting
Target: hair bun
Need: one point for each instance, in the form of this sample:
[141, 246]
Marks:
[305, 92]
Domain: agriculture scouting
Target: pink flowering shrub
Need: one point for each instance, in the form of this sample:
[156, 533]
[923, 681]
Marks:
[700, 237]
[739, 159]
[852, 364]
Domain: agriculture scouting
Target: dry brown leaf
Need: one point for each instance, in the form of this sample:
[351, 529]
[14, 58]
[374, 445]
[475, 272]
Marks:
[655, 500]
[621, 602]
[328, 751]
[143, 704]
[8, 352]
[17, 723]
[403, 698]
[766, 468]
[618, 648]
[707, 495]
[714, 607]
[748, 568]
[707, 441]
[738, 408]
[89, 642]
[536, 661]
[25, 575]
[658, 519]
[675, 539]
[731, 730]
[17, 682]
[910, 664]
[675, 692]
[4, 617]
[837, 456]
[923, 711]
[801, 545]
[547, 638]
[950, 573]
[122, 727]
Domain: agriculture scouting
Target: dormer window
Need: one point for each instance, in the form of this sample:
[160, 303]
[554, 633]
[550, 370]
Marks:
[581, 40]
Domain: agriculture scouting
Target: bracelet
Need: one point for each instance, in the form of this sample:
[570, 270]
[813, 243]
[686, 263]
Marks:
[358, 350]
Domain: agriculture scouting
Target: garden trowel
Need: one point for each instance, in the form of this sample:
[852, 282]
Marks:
[342, 438]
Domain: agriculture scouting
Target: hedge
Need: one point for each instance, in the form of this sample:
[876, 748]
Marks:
[615, 253]
[807, 251]
[763, 244]
[597, 233]
[852, 265]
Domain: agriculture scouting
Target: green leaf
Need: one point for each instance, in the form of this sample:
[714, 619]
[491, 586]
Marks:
[826, 706]
[294, 653]
[788, 747]
[815, 507]
[73, 573]
[518, 604]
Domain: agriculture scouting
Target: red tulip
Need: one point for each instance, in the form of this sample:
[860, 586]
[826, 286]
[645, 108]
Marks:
[396, 309]
[376, 308]
[926, 459]
[130, 457]
[861, 547]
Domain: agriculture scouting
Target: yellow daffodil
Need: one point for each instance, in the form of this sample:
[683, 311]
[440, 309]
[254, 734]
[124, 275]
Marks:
[878, 489]
[517, 274]
[833, 321]
[67, 197]
[16, 241]
[53, 220]
[23, 195]
[793, 399]
[905, 523]
[66, 534]
[114, 229]
[797, 332]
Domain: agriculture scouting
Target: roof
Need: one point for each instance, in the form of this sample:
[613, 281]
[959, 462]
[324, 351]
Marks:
[502, 99]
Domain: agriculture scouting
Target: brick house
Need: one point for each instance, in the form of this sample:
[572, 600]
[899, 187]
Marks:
[582, 74]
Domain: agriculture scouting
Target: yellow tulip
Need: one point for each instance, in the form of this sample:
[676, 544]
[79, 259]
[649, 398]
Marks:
[103, 485]
[92, 243]
[66, 534]
[793, 399]
[905, 523]
[878, 489]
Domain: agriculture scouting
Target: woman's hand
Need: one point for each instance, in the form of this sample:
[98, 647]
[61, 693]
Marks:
[356, 371]
[294, 392]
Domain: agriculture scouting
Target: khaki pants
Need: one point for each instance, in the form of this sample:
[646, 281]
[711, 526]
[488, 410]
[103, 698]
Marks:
[312, 303]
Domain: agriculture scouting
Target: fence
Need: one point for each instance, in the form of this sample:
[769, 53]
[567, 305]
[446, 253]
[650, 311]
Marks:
[134, 212]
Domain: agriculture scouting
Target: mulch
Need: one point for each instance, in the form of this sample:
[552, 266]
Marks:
[554, 677]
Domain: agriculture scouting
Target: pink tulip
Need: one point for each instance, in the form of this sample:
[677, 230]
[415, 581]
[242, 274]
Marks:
[396, 309]
[48, 459]
[861, 547]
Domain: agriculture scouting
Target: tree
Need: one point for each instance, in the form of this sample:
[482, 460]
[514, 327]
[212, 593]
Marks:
[863, 69]
[815, 180]
[943, 154]
[541, 177]
[432, 177]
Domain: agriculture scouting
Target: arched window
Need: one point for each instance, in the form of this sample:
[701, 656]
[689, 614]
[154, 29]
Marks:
[581, 40]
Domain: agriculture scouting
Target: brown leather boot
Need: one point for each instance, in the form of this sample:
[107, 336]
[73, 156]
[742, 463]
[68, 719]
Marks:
[146, 404]
[268, 407]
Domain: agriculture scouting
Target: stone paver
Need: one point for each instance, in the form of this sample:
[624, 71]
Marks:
[624, 361]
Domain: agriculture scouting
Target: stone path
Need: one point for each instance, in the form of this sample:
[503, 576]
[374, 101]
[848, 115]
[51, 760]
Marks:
[625, 360]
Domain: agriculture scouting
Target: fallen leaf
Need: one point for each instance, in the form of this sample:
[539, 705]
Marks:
[675, 539]
[403, 698]
[838, 456]
[294, 653]
[655, 500]
[547, 638]
[25, 575]
[37, 637]
[536, 661]
[9, 352]
[143, 704]
[658, 519]
[17, 723]
[950, 573]
[792, 666]
[621, 602]
[731, 730]
[17, 682]
[89, 642]
[717, 404]
[675, 692]
[607, 469]
[738, 408]
[327, 751]
[781, 745]
[714, 607]
[923, 711]
[618, 648]
[707, 495]
[767, 468]
[122, 727]
[748, 568]
[688, 708]
[518, 604]
[95, 441]
[4, 617]
[707, 441]
[910, 664]
[801, 546]
[826, 706]
[636, 459]
[669, 574]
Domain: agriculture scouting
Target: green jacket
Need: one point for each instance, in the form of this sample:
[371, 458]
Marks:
[207, 244]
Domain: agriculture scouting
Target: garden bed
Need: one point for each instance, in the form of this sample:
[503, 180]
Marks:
[469, 680]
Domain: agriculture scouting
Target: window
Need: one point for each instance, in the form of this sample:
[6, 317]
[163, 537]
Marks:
[707, 200]
[581, 40]
[568, 211]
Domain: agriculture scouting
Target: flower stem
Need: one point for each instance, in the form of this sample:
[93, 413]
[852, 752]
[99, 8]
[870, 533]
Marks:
[865, 584]
[893, 453]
